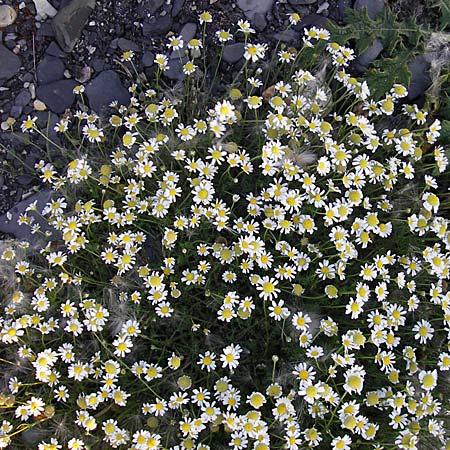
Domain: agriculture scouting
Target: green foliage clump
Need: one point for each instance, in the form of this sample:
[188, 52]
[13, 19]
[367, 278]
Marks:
[268, 271]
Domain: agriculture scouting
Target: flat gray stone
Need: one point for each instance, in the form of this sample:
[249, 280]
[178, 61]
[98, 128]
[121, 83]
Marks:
[154, 5]
[8, 15]
[367, 56]
[105, 88]
[251, 7]
[301, 2]
[10, 64]
[148, 59]
[25, 179]
[50, 69]
[22, 99]
[55, 50]
[58, 95]
[126, 44]
[175, 71]
[420, 77]
[70, 21]
[44, 8]
[232, 53]
[8, 221]
[374, 7]
[46, 30]
[157, 26]
[98, 64]
[188, 32]
[177, 7]
[149, 7]
[260, 22]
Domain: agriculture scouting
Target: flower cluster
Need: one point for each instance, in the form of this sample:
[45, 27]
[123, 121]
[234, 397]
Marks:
[270, 274]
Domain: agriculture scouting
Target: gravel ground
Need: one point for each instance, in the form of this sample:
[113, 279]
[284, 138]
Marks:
[54, 45]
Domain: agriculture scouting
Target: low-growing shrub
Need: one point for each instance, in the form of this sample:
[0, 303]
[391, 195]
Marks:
[264, 270]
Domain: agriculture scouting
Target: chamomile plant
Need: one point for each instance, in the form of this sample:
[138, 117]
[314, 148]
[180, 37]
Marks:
[268, 272]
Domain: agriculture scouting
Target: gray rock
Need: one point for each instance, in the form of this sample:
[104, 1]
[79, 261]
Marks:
[148, 59]
[175, 71]
[126, 44]
[70, 21]
[55, 50]
[251, 7]
[10, 37]
[64, 3]
[5, 94]
[84, 75]
[374, 7]
[188, 31]
[301, 2]
[177, 7]
[259, 21]
[323, 8]
[104, 89]
[50, 69]
[365, 58]
[98, 64]
[149, 7]
[45, 30]
[10, 43]
[154, 5]
[10, 64]
[8, 15]
[26, 77]
[8, 222]
[22, 98]
[157, 26]
[58, 96]
[16, 111]
[24, 180]
[420, 77]
[232, 53]
[44, 8]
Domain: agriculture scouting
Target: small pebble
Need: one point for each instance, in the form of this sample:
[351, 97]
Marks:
[85, 74]
[8, 15]
[322, 7]
[38, 105]
[44, 8]
[32, 89]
